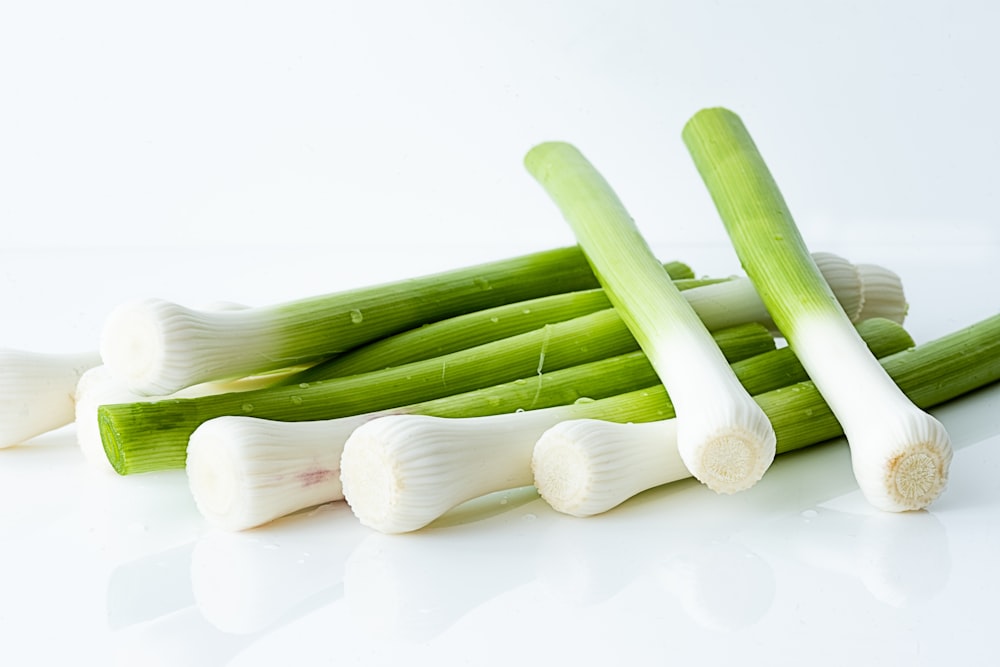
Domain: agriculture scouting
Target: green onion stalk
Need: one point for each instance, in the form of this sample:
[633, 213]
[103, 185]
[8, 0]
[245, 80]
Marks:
[157, 348]
[900, 454]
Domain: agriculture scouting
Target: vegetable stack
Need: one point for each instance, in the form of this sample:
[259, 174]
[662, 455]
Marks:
[592, 372]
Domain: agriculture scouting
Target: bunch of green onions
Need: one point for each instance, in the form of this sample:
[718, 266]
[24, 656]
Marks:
[592, 372]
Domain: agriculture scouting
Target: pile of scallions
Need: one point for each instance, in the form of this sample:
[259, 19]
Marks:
[591, 372]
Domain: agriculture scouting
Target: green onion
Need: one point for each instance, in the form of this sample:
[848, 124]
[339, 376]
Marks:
[148, 436]
[900, 454]
[584, 467]
[36, 391]
[400, 472]
[157, 347]
[720, 303]
[471, 329]
[725, 439]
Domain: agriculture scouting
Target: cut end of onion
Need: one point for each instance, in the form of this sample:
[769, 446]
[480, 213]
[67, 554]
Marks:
[132, 345]
[732, 460]
[911, 470]
[372, 482]
[213, 472]
[563, 467]
[584, 467]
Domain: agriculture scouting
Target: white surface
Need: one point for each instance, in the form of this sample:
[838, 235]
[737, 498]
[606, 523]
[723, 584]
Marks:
[255, 152]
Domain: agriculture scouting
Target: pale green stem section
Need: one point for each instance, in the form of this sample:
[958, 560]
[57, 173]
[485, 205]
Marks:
[900, 454]
[725, 438]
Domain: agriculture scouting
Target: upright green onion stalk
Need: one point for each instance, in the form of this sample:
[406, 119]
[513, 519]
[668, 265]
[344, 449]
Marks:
[724, 437]
[157, 347]
[900, 454]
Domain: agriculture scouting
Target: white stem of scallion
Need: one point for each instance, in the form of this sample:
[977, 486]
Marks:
[584, 467]
[725, 439]
[158, 347]
[900, 454]
[37, 391]
[238, 483]
[246, 471]
[401, 472]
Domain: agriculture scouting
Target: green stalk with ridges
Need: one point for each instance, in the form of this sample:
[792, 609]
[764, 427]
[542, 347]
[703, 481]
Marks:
[468, 330]
[720, 303]
[725, 439]
[900, 454]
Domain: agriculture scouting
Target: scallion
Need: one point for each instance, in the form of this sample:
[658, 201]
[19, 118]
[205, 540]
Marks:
[725, 439]
[900, 454]
[157, 347]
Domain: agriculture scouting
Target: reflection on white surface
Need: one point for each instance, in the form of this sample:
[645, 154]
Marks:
[415, 587]
[576, 567]
[248, 582]
[180, 639]
[799, 548]
[150, 587]
[138, 515]
[722, 586]
[902, 559]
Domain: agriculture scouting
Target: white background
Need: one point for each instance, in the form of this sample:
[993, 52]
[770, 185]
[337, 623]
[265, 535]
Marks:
[256, 152]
